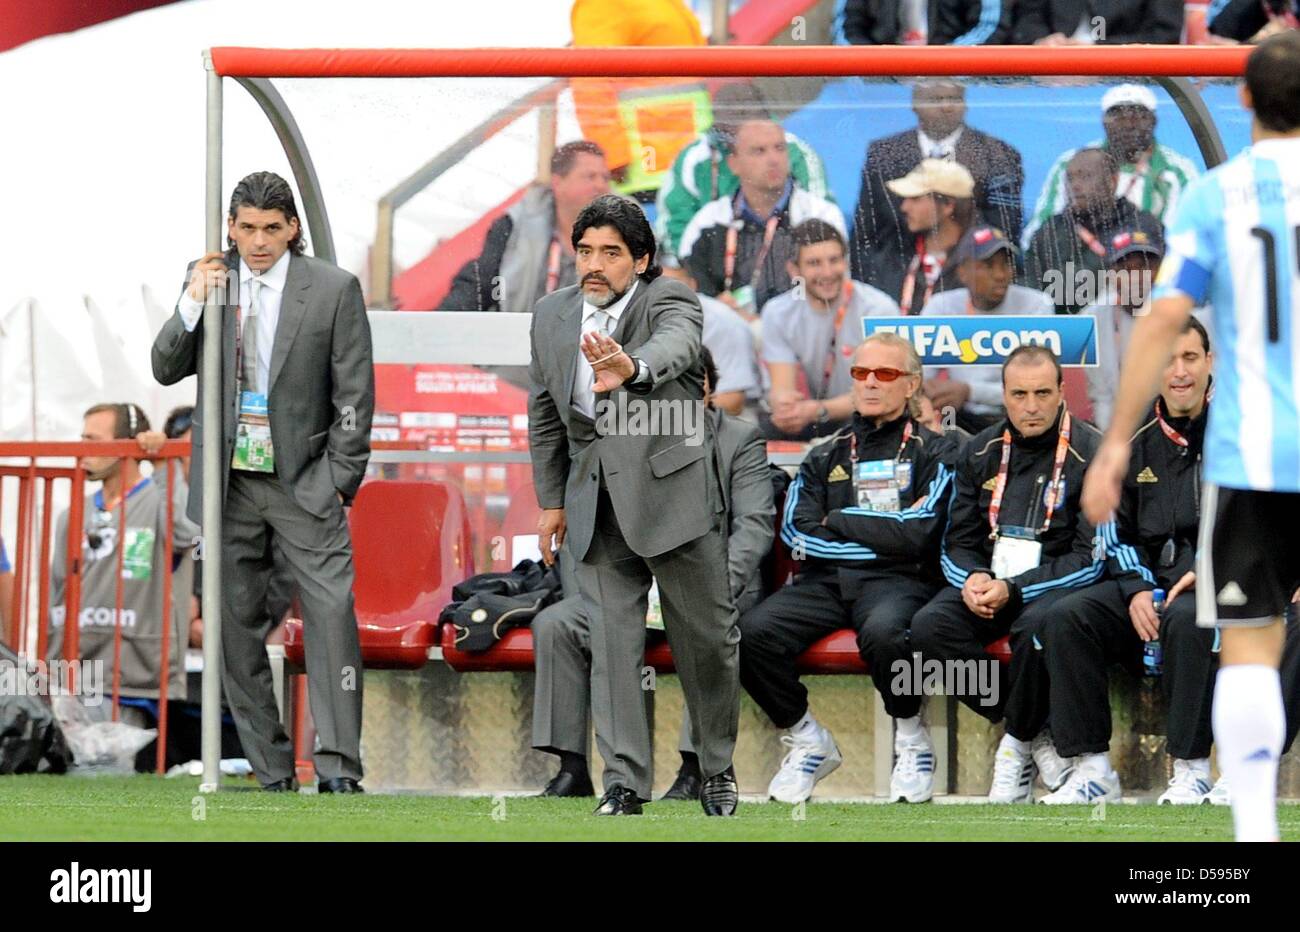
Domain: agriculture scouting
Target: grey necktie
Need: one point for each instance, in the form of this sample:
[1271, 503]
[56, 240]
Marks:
[249, 374]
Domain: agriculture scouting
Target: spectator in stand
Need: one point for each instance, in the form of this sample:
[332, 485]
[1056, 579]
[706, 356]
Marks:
[142, 568]
[1251, 20]
[1098, 22]
[880, 233]
[1150, 176]
[562, 632]
[701, 174]
[937, 209]
[527, 252]
[922, 22]
[738, 247]
[638, 121]
[1067, 255]
[985, 261]
[1133, 257]
[730, 343]
[809, 335]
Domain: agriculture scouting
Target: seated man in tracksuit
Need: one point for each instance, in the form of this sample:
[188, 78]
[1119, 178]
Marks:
[864, 516]
[562, 632]
[1151, 545]
[1016, 542]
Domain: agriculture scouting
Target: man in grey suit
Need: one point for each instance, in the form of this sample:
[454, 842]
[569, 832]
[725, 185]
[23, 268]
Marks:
[562, 632]
[298, 394]
[618, 469]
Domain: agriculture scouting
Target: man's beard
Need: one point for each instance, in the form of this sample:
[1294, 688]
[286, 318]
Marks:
[612, 297]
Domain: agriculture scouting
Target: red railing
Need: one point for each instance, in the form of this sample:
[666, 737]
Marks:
[22, 546]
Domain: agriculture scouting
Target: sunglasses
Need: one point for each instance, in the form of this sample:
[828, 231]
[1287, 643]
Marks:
[883, 374]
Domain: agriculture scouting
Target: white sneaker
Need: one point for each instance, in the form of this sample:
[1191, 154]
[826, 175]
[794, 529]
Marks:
[808, 761]
[913, 778]
[1220, 794]
[1189, 786]
[1086, 786]
[1013, 775]
[1053, 769]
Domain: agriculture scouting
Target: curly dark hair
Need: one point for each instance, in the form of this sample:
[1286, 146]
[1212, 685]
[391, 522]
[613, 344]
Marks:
[626, 216]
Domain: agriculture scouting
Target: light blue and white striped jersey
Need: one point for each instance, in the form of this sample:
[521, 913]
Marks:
[1235, 244]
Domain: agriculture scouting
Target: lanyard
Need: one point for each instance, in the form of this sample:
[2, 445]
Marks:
[1062, 447]
[829, 368]
[553, 265]
[853, 445]
[1169, 430]
[733, 239]
[1090, 241]
[1139, 173]
[239, 352]
[918, 267]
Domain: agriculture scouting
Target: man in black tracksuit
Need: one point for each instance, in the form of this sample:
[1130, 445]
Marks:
[869, 549]
[1009, 561]
[1106, 22]
[1151, 544]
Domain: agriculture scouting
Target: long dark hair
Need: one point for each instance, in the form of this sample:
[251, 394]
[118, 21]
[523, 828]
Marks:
[626, 216]
[267, 191]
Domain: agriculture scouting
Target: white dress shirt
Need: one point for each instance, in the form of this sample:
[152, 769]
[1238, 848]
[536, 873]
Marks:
[268, 313]
[945, 148]
[584, 399]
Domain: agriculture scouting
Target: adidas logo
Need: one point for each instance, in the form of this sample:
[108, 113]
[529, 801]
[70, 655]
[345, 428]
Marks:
[1231, 595]
[1146, 475]
[837, 474]
[991, 484]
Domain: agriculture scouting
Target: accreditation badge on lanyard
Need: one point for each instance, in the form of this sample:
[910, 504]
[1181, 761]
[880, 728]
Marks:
[1017, 550]
[879, 484]
[253, 449]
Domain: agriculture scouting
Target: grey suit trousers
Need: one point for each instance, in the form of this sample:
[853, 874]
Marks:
[319, 555]
[701, 622]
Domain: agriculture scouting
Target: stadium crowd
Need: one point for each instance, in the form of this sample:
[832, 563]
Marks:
[937, 509]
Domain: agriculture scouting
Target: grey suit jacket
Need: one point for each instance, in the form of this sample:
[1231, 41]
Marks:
[322, 386]
[664, 486]
[751, 514]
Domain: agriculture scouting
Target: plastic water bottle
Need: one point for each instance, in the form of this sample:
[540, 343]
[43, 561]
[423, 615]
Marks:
[1153, 656]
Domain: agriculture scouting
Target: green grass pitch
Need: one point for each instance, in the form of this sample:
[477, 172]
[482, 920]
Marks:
[146, 808]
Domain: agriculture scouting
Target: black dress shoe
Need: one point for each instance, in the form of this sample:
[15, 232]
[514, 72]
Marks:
[685, 787]
[284, 785]
[339, 785]
[569, 784]
[619, 800]
[719, 796]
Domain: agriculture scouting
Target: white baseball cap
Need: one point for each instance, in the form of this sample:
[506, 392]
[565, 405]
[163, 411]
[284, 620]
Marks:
[934, 176]
[1129, 95]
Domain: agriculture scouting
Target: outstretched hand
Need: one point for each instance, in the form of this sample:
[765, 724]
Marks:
[610, 365]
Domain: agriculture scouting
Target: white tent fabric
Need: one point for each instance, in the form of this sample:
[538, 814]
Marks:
[103, 171]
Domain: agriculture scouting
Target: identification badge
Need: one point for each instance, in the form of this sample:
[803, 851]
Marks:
[744, 297]
[877, 484]
[253, 450]
[137, 558]
[1015, 551]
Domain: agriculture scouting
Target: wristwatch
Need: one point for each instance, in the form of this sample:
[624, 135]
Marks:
[642, 373]
[823, 414]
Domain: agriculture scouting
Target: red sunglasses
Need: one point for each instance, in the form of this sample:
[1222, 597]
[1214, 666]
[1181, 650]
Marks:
[883, 374]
